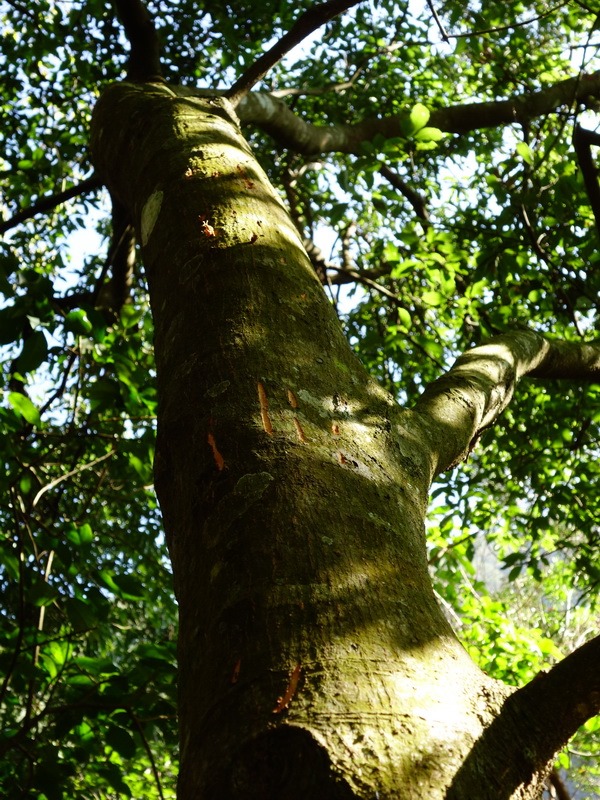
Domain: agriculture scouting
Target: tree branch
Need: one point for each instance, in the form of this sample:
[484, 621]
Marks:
[319, 91]
[144, 57]
[307, 23]
[414, 198]
[471, 395]
[510, 26]
[563, 698]
[51, 201]
[560, 790]
[534, 723]
[274, 117]
[582, 142]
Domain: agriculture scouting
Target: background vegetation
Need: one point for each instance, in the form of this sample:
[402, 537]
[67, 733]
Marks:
[427, 244]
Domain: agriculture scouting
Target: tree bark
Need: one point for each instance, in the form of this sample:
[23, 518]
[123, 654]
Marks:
[314, 660]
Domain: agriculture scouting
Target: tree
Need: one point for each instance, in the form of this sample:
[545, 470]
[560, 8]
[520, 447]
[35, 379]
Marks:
[314, 657]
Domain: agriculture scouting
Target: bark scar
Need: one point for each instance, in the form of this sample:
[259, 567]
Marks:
[235, 675]
[292, 399]
[284, 701]
[300, 433]
[264, 409]
[219, 460]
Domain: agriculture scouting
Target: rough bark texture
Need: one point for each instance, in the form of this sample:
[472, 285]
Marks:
[314, 660]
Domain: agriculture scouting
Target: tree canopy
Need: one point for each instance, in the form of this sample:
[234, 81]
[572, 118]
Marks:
[437, 161]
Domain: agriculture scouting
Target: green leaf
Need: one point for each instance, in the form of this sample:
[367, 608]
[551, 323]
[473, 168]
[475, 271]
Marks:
[95, 666]
[80, 534]
[11, 324]
[81, 615]
[131, 315]
[338, 210]
[104, 393]
[419, 116]
[77, 322]
[433, 298]
[42, 593]
[429, 135]
[23, 406]
[121, 741]
[426, 145]
[525, 152]
[404, 317]
[112, 774]
[34, 352]
[515, 572]
[131, 587]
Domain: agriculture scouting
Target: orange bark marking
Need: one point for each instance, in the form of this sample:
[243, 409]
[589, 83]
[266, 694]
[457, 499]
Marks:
[264, 409]
[342, 458]
[235, 675]
[335, 429]
[299, 430]
[292, 400]
[207, 228]
[283, 702]
[219, 460]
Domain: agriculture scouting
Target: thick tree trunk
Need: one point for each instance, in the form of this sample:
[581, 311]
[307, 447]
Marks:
[314, 659]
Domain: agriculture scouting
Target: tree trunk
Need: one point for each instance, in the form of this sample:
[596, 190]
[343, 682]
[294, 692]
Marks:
[314, 659]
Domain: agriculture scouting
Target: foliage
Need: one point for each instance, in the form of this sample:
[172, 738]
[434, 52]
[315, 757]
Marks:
[88, 616]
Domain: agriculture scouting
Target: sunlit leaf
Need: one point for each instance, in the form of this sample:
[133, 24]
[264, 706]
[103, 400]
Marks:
[23, 405]
[419, 116]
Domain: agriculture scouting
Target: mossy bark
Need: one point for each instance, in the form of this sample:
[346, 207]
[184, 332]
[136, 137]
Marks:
[314, 659]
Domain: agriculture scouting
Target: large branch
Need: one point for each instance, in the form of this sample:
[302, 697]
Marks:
[546, 712]
[274, 117]
[470, 396]
[307, 23]
[144, 56]
[563, 698]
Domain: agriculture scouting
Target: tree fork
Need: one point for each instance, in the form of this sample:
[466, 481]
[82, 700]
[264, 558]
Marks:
[314, 659]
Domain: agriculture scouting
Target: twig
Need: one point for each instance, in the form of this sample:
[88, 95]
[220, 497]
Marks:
[554, 779]
[319, 90]
[21, 610]
[413, 197]
[361, 278]
[51, 201]
[438, 21]
[69, 474]
[149, 752]
[508, 27]
[63, 384]
[306, 24]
